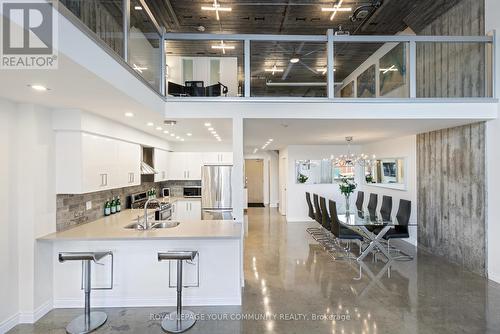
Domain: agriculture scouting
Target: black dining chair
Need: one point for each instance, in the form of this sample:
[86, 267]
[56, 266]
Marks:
[340, 232]
[325, 217]
[359, 200]
[310, 206]
[372, 203]
[386, 208]
[317, 210]
[400, 231]
[320, 233]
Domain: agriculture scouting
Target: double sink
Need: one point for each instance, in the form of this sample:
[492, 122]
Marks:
[155, 225]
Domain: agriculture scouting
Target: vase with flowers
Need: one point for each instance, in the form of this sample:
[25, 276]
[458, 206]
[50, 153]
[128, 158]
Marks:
[347, 187]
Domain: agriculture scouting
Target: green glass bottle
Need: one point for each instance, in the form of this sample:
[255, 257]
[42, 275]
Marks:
[113, 205]
[118, 204]
[107, 208]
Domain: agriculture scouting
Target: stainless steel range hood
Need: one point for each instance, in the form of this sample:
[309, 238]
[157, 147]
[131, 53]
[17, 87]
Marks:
[147, 169]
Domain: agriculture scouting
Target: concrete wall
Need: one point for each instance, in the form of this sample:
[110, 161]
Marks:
[451, 195]
[493, 157]
[453, 69]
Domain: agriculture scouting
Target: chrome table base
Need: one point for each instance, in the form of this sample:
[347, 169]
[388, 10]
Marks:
[173, 323]
[82, 325]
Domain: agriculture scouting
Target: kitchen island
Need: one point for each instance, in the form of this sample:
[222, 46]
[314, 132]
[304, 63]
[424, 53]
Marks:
[138, 278]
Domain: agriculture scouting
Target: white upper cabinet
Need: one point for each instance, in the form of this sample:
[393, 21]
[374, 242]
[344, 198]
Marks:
[185, 166]
[161, 165]
[213, 158]
[88, 163]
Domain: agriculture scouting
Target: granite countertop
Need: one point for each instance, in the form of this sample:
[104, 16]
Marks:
[112, 228]
[173, 199]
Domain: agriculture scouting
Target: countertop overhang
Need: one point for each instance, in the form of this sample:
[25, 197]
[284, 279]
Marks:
[112, 228]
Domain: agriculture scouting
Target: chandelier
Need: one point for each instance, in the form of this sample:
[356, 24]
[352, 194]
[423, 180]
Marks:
[351, 160]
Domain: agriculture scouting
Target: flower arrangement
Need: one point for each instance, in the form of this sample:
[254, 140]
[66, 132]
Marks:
[302, 178]
[347, 186]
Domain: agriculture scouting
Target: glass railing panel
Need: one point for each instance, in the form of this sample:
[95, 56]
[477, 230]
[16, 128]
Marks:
[204, 68]
[288, 69]
[103, 17]
[454, 70]
[372, 70]
[144, 52]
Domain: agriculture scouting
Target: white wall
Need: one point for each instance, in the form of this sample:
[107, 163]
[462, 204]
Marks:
[29, 211]
[296, 207]
[402, 147]
[271, 175]
[402, 91]
[493, 158]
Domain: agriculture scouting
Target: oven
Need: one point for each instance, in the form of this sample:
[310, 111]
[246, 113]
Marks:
[191, 192]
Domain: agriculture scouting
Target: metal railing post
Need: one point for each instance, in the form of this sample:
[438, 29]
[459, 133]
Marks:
[413, 69]
[246, 56]
[163, 77]
[126, 27]
[330, 65]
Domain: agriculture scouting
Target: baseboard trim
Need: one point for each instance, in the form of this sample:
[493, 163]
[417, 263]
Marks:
[494, 277]
[32, 317]
[140, 302]
[9, 323]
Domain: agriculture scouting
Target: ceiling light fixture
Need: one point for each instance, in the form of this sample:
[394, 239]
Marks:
[255, 150]
[294, 60]
[139, 68]
[217, 8]
[350, 159]
[138, 8]
[39, 88]
[189, 134]
[273, 70]
[150, 124]
[210, 129]
[129, 114]
[208, 124]
[159, 128]
[177, 137]
[390, 69]
[172, 135]
[165, 132]
[223, 47]
[336, 8]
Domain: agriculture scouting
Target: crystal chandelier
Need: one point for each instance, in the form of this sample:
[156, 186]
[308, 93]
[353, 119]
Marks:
[351, 160]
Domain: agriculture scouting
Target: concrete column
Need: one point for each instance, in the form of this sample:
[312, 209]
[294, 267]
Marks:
[238, 161]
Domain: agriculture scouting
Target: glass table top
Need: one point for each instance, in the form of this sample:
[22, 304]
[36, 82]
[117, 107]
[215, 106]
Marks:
[365, 218]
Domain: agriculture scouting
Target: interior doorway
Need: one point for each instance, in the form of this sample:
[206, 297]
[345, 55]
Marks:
[254, 179]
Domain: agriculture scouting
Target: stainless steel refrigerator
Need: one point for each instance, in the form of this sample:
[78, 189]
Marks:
[216, 197]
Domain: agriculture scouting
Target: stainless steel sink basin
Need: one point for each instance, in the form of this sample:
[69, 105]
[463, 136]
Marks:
[154, 225]
[167, 224]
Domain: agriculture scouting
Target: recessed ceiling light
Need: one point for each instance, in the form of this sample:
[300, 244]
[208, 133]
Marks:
[189, 134]
[172, 135]
[210, 129]
[151, 124]
[177, 137]
[159, 128]
[165, 132]
[39, 88]
[208, 124]
[129, 114]
[214, 132]
[270, 140]
[138, 8]
[294, 60]
[182, 139]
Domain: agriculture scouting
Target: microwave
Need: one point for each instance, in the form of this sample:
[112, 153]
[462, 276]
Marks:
[165, 192]
[192, 192]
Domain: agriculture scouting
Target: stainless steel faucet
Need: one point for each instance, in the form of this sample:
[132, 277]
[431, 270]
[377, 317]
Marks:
[146, 223]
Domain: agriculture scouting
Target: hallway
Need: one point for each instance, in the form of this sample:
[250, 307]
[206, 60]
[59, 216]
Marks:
[293, 286]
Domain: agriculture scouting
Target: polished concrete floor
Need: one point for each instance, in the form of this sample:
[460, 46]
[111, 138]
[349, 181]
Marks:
[293, 286]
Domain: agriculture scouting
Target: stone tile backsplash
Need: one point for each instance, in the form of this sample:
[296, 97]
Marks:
[71, 209]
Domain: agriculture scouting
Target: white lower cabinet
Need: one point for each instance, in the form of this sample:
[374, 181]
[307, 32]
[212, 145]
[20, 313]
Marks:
[186, 210]
[87, 163]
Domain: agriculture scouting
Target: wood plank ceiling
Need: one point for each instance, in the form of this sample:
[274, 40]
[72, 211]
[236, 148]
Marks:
[368, 17]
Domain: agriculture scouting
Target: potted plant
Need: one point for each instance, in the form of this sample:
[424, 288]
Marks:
[302, 178]
[347, 187]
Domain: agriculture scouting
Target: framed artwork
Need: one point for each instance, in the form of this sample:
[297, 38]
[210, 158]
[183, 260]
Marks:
[348, 90]
[392, 68]
[366, 83]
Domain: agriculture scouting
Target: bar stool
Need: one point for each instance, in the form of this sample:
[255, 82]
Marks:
[88, 321]
[180, 320]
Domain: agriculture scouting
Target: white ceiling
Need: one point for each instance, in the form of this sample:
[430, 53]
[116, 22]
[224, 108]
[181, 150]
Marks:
[286, 132]
[200, 133]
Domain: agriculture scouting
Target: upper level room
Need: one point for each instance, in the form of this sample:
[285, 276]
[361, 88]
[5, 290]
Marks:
[348, 49]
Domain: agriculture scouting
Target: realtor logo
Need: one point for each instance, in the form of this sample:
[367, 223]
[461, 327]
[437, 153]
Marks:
[28, 34]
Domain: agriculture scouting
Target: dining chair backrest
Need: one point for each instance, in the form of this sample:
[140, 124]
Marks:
[310, 206]
[325, 217]
[359, 200]
[372, 203]
[317, 210]
[403, 214]
[386, 208]
[335, 223]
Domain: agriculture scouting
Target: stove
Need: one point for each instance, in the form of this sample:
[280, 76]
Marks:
[163, 209]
